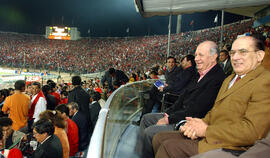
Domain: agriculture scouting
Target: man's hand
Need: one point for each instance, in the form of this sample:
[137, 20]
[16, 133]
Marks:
[160, 88]
[194, 128]
[188, 131]
[164, 120]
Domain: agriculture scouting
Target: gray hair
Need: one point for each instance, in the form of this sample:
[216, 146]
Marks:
[74, 105]
[214, 50]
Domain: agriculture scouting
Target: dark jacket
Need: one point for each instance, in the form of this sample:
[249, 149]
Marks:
[51, 102]
[80, 96]
[199, 97]
[227, 68]
[94, 109]
[120, 76]
[51, 148]
[83, 128]
[178, 79]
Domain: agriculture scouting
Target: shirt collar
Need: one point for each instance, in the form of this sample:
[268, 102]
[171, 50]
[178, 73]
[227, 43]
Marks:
[205, 71]
[45, 139]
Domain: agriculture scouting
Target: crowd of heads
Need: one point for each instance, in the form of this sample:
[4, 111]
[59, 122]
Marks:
[89, 55]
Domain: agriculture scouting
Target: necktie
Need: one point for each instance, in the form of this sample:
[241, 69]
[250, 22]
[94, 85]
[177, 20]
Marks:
[237, 79]
[222, 65]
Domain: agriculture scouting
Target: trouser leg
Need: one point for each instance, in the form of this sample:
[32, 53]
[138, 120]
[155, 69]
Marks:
[148, 136]
[147, 120]
[174, 145]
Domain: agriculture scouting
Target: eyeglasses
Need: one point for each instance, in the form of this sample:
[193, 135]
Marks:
[242, 52]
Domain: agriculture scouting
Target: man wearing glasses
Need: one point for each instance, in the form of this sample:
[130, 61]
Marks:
[240, 115]
[49, 144]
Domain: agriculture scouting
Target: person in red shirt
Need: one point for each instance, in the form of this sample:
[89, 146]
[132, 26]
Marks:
[72, 130]
[54, 93]
[64, 99]
[97, 88]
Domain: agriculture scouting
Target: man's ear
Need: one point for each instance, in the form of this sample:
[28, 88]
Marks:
[260, 55]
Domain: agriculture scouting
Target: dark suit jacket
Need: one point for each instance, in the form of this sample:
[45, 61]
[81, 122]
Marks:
[228, 68]
[80, 96]
[51, 148]
[178, 79]
[51, 102]
[199, 97]
[83, 128]
[94, 109]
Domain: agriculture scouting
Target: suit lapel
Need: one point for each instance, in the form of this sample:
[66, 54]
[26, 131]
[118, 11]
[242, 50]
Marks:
[224, 92]
[206, 77]
[225, 86]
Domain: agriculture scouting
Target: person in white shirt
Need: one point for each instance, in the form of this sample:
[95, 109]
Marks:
[38, 104]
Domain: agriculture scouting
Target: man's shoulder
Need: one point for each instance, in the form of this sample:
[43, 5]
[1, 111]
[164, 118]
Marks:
[216, 72]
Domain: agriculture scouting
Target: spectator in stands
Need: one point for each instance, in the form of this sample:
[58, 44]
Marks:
[51, 101]
[72, 129]
[3, 96]
[29, 90]
[59, 128]
[94, 108]
[8, 153]
[153, 75]
[50, 145]
[237, 119]
[225, 62]
[38, 104]
[176, 81]
[81, 97]
[97, 88]
[79, 118]
[195, 101]
[161, 74]
[64, 97]
[17, 106]
[114, 75]
[54, 92]
[11, 137]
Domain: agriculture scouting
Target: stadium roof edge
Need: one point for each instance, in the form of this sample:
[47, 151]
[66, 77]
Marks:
[149, 8]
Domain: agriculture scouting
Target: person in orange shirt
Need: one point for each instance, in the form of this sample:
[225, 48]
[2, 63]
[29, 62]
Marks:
[17, 106]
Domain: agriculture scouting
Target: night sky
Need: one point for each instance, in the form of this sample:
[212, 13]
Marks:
[103, 17]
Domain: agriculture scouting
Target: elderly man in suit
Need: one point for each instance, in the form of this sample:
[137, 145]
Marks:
[225, 62]
[84, 131]
[195, 101]
[238, 117]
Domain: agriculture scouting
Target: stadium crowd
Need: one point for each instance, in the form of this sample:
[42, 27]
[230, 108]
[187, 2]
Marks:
[89, 55]
[57, 119]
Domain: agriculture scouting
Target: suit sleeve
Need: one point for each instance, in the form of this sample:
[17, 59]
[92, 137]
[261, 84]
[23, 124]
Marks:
[200, 104]
[252, 126]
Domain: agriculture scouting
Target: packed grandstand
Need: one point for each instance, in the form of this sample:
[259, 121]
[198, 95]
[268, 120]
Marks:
[88, 55]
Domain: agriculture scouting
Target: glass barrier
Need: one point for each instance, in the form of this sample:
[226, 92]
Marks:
[120, 109]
